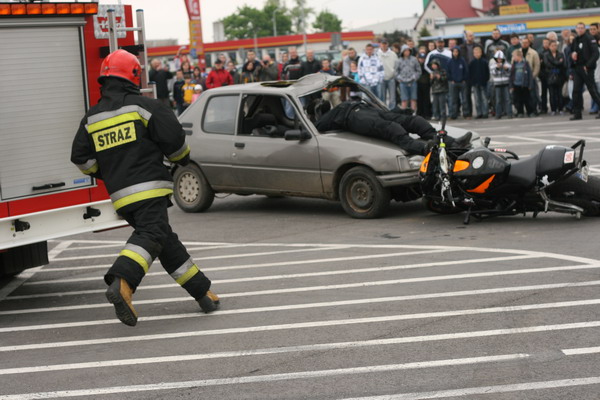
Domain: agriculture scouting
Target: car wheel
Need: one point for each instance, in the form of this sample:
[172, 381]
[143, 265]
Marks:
[361, 194]
[192, 192]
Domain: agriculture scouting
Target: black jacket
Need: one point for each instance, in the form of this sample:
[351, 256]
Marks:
[178, 91]
[479, 72]
[311, 67]
[124, 139]
[337, 117]
[555, 68]
[292, 69]
[439, 82]
[161, 78]
[586, 47]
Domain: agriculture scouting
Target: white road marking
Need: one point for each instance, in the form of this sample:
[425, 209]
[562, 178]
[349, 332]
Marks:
[309, 288]
[22, 278]
[310, 347]
[582, 350]
[308, 274]
[309, 305]
[515, 387]
[529, 139]
[321, 260]
[270, 378]
[589, 139]
[299, 325]
[270, 253]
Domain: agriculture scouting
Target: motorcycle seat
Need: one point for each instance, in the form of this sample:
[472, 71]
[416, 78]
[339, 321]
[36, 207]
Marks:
[523, 172]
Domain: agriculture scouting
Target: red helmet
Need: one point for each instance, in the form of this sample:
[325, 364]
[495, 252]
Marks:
[121, 64]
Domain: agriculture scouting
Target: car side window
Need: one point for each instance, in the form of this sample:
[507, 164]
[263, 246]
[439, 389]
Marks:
[220, 115]
[266, 115]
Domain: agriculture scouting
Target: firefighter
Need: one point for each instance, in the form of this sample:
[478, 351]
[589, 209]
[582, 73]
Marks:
[123, 140]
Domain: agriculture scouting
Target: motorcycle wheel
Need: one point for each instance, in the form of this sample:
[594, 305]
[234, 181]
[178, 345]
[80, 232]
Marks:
[439, 207]
[582, 194]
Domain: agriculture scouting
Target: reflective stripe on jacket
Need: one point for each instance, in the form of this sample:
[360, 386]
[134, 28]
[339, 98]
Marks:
[124, 139]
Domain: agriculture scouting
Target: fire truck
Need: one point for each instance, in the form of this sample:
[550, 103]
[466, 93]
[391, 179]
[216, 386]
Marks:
[50, 60]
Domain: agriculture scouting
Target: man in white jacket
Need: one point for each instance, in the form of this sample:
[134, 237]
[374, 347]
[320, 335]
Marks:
[370, 70]
[388, 85]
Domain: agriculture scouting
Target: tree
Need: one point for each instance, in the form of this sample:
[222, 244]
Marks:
[327, 22]
[396, 36]
[248, 21]
[300, 15]
[424, 32]
[573, 4]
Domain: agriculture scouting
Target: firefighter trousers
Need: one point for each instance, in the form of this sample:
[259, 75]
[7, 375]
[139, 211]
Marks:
[153, 237]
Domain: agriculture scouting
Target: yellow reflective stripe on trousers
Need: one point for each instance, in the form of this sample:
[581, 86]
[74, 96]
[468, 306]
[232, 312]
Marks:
[145, 195]
[135, 257]
[118, 119]
[193, 270]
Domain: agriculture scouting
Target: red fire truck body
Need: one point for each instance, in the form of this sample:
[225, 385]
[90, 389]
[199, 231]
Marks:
[51, 57]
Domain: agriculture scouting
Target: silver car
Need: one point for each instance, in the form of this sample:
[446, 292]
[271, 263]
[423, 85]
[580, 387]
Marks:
[259, 138]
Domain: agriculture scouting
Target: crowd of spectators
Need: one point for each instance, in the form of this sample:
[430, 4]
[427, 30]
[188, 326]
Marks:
[474, 79]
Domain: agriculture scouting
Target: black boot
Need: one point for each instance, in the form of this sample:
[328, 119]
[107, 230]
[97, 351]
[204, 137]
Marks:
[575, 117]
[210, 302]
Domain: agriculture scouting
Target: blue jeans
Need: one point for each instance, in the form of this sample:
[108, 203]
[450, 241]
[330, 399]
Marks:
[408, 91]
[503, 103]
[481, 100]
[388, 89]
[459, 90]
[439, 105]
[596, 106]
[375, 90]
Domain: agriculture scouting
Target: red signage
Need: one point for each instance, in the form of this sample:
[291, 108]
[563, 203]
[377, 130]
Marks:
[193, 8]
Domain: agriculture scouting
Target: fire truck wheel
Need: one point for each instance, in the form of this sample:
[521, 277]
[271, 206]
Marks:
[192, 192]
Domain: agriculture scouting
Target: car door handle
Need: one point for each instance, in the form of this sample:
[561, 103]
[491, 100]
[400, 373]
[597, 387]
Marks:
[240, 145]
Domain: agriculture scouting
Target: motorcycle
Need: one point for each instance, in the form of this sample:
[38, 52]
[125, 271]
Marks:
[487, 182]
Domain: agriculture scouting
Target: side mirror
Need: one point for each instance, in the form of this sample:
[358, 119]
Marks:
[296, 134]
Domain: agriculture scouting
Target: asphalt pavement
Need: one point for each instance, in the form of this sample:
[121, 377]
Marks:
[316, 305]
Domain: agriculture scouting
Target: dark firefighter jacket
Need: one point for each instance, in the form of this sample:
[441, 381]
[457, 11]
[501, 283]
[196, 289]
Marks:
[123, 140]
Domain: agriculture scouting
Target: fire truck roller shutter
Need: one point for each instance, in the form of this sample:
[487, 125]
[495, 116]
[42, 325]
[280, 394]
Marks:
[43, 88]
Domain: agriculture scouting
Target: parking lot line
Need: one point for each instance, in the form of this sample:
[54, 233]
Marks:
[272, 377]
[311, 305]
[306, 288]
[308, 274]
[314, 347]
[300, 262]
[300, 325]
[515, 387]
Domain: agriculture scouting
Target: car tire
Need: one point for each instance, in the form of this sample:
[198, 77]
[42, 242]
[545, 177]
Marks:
[192, 192]
[361, 194]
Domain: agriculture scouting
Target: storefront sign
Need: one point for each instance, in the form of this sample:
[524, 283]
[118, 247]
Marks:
[510, 10]
[512, 28]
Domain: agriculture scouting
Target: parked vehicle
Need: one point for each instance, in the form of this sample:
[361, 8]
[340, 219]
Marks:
[487, 182]
[42, 195]
[258, 139]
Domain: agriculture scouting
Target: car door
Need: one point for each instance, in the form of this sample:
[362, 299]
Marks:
[263, 160]
[215, 146]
